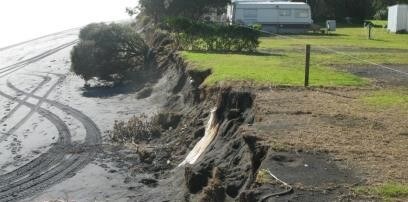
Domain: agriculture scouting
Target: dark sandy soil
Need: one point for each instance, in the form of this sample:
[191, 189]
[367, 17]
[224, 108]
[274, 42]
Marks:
[314, 177]
[381, 76]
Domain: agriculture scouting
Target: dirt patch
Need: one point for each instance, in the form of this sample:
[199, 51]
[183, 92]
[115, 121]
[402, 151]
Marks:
[365, 139]
[348, 121]
[381, 76]
[313, 177]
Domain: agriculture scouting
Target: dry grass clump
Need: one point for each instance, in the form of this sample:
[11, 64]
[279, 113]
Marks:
[135, 130]
[263, 177]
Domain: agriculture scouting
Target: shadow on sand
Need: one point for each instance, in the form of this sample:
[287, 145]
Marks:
[109, 90]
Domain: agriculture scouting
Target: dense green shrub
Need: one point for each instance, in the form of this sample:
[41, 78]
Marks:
[112, 53]
[208, 36]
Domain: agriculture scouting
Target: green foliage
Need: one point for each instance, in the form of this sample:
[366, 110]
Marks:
[392, 98]
[387, 191]
[197, 9]
[321, 9]
[256, 26]
[112, 53]
[393, 190]
[155, 9]
[207, 36]
[356, 9]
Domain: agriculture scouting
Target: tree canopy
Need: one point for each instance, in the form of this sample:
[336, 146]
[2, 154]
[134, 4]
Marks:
[321, 9]
[111, 52]
[159, 9]
[357, 9]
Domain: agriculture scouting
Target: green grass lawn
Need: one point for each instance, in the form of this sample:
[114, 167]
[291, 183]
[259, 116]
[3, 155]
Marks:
[387, 191]
[283, 61]
[260, 70]
[387, 98]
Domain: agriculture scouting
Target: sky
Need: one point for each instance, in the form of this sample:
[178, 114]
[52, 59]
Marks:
[22, 20]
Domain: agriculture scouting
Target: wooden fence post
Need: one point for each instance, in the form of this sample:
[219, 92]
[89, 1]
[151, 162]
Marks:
[307, 65]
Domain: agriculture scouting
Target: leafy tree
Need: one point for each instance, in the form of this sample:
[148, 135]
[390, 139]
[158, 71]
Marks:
[321, 9]
[196, 9]
[379, 7]
[111, 53]
[155, 9]
[357, 9]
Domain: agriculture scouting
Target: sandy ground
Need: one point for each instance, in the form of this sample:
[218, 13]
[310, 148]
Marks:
[52, 132]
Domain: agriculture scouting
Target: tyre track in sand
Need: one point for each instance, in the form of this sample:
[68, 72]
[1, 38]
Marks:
[33, 110]
[45, 159]
[92, 130]
[64, 32]
[63, 159]
[53, 156]
[74, 158]
[4, 71]
[45, 80]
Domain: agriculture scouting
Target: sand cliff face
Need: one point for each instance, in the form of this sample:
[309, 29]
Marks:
[203, 155]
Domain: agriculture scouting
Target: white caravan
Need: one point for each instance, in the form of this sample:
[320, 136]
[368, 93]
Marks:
[398, 18]
[274, 16]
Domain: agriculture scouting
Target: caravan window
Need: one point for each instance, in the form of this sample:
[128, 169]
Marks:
[250, 13]
[302, 13]
[285, 12]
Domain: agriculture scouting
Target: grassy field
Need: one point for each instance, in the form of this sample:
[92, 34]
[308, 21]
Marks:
[282, 61]
[387, 191]
[387, 98]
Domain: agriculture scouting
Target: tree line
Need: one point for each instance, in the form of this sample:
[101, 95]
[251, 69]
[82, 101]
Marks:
[159, 10]
[321, 9]
[355, 9]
